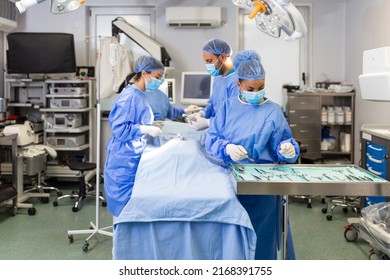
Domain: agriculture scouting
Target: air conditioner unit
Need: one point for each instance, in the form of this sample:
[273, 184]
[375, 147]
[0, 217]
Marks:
[7, 25]
[193, 17]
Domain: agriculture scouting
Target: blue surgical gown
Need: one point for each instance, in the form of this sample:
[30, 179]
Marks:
[260, 129]
[224, 87]
[125, 147]
[161, 107]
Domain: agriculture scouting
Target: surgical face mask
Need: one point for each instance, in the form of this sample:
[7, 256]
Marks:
[253, 97]
[154, 83]
[212, 69]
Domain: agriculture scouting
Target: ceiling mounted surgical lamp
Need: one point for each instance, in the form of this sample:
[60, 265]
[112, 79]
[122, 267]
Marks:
[57, 6]
[272, 16]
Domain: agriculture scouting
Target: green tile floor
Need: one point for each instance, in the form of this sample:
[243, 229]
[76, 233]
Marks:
[44, 235]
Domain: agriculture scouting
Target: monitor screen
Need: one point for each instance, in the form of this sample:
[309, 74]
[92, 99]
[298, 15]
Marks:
[40, 53]
[168, 87]
[196, 88]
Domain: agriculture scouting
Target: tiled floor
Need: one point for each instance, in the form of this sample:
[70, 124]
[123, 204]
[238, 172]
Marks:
[44, 236]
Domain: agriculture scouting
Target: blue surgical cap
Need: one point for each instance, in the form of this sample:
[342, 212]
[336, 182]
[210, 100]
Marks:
[245, 55]
[148, 64]
[217, 47]
[248, 66]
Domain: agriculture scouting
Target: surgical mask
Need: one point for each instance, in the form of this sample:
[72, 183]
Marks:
[212, 70]
[253, 97]
[154, 83]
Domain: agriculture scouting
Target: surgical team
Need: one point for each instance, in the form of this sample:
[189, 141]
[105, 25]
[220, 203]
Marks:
[241, 125]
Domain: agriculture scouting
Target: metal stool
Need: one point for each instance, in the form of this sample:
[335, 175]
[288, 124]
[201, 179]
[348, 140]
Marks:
[85, 189]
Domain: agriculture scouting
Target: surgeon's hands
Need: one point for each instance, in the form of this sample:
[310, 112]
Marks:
[191, 109]
[236, 152]
[196, 115]
[287, 150]
[151, 130]
[158, 124]
[200, 123]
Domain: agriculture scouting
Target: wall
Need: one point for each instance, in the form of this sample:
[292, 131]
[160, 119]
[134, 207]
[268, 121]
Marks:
[184, 45]
[366, 28]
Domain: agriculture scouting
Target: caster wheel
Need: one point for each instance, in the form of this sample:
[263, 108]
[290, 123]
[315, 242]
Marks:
[324, 210]
[14, 211]
[104, 204]
[45, 200]
[59, 194]
[345, 209]
[31, 211]
[75, 209]
[55, 203]
[373, 256]
[309, 205]
[329, 217]
[350, 234]
[70, 238]
[85, 247]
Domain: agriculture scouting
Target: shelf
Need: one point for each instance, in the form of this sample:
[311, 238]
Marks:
[335, 153]
[60, 110]
[53, 95]
[68, 130]
[335, 124]
[25, 105]
[79, 148]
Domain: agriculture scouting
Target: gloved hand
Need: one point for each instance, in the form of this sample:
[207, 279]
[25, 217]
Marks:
[200, 123]
[192, 109]
[196, 115]
[151, 130]
[236, 152]
[287, 150]
[158, 124]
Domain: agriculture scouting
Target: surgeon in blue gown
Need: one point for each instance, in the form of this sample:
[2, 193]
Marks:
[250, 128]
[163, 109]
[130, 120]
[217, 56]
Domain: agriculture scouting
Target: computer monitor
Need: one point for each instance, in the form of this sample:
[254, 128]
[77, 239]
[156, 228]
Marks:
[196, 88]
[169, 88]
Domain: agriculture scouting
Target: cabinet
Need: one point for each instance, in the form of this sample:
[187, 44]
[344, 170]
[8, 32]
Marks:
[69, 126]
[25, 99]
[375, 152]
[328, 140]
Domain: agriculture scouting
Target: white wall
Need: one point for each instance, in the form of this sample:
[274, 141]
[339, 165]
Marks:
[367, 27]
[184, 46]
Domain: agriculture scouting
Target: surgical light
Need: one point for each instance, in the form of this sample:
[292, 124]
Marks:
[57, 6]
[273, 16]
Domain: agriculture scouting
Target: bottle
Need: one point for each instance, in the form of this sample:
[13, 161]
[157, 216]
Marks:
[324, 116]
[339, 114]
[331, 116]
[348, 115]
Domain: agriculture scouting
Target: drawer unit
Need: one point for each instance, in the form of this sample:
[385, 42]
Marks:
[305, 131]
[305, 102]
[312, 147]
[304, 116]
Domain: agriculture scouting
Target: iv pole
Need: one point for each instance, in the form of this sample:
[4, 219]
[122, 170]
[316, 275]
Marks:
[94, 227]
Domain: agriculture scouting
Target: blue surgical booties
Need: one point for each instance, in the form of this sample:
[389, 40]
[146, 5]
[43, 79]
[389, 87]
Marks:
[125, 147]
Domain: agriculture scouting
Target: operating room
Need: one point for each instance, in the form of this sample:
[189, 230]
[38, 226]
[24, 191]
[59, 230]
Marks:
[182, 192]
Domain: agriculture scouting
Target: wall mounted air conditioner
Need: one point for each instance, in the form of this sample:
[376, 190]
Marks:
[193, 17]
[7, 25]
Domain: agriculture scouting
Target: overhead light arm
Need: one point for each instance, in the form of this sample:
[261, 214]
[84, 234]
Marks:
[57, 6]
[272, 16]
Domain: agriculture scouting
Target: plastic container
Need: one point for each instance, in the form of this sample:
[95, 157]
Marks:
[331, 116]
[348, 115]
[339, 115]
[324, 116]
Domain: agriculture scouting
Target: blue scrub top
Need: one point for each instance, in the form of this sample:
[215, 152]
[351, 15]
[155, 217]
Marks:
[224, 87]
[125, 147]
[161, 107]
